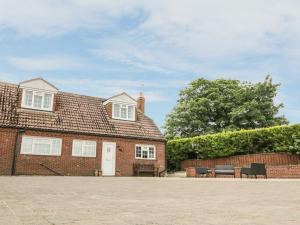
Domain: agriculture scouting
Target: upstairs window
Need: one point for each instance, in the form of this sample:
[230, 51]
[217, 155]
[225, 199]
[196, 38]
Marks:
[37, 100]
[123, 111]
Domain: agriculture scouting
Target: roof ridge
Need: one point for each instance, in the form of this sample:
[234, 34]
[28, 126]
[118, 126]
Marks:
[82, 95]
[64, 92]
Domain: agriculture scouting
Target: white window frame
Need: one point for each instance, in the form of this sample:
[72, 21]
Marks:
[35, 139]
[84, 144]
[35, 92]
[120, 110]
[143, 146]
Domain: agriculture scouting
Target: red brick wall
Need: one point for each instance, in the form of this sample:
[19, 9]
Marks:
[7, 144]
[288, 171]
[270, 159]
[279, 165]
[284, 171]
[69, 165]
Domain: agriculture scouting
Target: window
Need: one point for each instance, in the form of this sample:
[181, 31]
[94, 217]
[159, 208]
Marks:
[123, 111]
[116, 111]
[145, 152]
[28, 98]
[41, 146]
[84, 148]
[37, 100]
[47, 101]
[130, 111]
[151, 153]
[138, 152]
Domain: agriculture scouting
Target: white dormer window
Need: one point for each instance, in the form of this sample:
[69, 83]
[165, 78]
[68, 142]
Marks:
[38, 94]
[123, 107]
[123, 111]
[37, 100]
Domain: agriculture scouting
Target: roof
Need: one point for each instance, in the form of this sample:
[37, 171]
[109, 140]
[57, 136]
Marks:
[73, 113]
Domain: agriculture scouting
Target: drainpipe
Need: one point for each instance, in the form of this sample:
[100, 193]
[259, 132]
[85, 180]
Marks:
[16, 148]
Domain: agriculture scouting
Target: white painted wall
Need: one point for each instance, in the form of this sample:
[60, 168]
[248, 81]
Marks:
[38, 84]
[122, 98]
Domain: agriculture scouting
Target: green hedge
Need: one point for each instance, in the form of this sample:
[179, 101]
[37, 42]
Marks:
[273, 139]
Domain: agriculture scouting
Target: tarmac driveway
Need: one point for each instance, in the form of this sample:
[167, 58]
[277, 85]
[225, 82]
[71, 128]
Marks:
[148, 201]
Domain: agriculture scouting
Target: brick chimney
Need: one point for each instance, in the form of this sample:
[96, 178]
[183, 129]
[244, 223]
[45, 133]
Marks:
[141, 102]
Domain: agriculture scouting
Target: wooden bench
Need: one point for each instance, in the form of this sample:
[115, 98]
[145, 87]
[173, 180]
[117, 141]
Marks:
[144, 168]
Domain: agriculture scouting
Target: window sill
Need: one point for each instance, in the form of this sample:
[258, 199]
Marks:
[145, 159]
[33, 154]
[80, 156]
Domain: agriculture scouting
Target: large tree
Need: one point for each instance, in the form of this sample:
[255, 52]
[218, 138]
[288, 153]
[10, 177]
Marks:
[210, 106]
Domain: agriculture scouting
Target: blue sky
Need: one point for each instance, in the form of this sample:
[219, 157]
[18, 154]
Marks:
[101, 48]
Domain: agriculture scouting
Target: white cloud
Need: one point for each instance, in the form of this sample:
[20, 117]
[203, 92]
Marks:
[151, 56]
[173, 35]
[45, 63]
[235, 39]
[152, 96]
[153, 91]
[55, 17]
[7, 77]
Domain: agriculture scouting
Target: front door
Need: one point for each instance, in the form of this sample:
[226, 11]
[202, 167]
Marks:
[108, 159]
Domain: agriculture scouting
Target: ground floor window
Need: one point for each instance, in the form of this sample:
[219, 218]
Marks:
[84, 148]
[145, 152]
[41, 146]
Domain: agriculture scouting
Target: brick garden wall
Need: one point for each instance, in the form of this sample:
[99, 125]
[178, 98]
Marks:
[284, 171]
[279, 165]
[271, 159]
[67, 164]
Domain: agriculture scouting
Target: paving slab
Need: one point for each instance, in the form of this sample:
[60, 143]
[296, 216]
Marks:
[38, 200]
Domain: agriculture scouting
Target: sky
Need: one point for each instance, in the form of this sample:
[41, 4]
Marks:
[104, 47]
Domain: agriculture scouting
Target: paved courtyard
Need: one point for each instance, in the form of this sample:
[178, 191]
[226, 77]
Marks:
[148, 201]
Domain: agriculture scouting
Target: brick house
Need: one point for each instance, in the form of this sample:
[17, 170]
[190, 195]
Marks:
[45, 131]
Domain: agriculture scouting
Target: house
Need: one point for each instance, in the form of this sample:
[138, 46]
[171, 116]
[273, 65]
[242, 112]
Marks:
[45, 131]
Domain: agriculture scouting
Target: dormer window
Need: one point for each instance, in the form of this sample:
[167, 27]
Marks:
[38, 94]
[121, 107]
[37, 100]
[123, 111]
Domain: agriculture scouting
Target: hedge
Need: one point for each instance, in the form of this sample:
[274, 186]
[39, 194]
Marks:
[272, 139]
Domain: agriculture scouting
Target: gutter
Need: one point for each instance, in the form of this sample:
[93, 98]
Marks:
[87, 133]
[17, 144]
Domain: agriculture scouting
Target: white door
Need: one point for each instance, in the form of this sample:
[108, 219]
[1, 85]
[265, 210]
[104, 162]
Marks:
[108, 159]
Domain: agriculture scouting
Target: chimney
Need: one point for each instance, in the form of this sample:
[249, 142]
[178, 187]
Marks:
[141, 102]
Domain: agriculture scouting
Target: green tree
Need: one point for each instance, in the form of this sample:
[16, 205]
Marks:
[211, 106]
